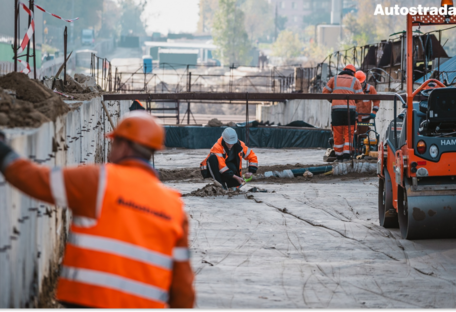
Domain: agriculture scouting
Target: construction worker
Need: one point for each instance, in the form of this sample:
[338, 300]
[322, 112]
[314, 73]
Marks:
[344, 83]
[136, 105]
[368, 109]
[128, 242]
[224, 162]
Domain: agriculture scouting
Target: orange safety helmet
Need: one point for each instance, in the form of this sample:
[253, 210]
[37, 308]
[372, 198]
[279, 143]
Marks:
[361, 76]
[350, 67]
[142, 128]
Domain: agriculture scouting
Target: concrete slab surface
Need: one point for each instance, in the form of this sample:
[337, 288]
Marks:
[309, 245]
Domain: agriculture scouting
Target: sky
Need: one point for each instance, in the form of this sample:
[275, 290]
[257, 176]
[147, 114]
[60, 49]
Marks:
[171, 15]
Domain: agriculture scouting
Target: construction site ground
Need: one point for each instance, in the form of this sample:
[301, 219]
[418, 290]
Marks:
[311, 244]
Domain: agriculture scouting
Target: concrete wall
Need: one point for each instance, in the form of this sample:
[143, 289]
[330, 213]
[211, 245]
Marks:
[317, 113]
[32, 233]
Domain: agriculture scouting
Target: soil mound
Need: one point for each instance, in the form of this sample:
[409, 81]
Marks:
[18, 113]
[42, 99]
[212, 190]
[180, 174]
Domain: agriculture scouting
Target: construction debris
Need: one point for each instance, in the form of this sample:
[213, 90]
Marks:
[308, 174]
[27, 103]
[354, 167]
[212, 190]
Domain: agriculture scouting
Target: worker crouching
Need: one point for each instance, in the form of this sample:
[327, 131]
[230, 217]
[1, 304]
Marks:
[224, 162]
[128, 242]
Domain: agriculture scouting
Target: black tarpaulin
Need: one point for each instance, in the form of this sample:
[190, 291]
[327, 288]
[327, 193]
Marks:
[204, 137]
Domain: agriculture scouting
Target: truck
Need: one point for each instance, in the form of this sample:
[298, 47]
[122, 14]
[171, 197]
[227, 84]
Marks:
[88, 37]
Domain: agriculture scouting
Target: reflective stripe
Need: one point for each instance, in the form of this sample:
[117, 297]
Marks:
[344, 88]
[119, 248]
[346, 152]
[112, 281]
[101, 190]
[58, 187]
[248, 153]
[203, 167]
[339, 146]
[223, 169]
[353, 83]
[218, 154]
[181, 254]
[84, 222]
[328, 88]
[366, 101]
[359, 91]
[352, 107]
[347, 144]
[339, 153]
[366, 117]
[253, 164]
[8, 160]
[376, 107]
[368, 88]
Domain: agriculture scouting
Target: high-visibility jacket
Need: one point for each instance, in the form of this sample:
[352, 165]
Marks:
[128, 246]
[367, 106]
[221, 151]
[343, 84]
[125, 257]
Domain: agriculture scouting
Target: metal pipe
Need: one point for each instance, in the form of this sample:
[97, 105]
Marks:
[247, 119]
[65, 37]
[16, 34]
[34, 45]
[409, 80]
[28, 44]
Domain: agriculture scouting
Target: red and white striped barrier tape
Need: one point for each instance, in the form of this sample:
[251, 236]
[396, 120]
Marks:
[27, 69]
[63, 19]
[31, 30]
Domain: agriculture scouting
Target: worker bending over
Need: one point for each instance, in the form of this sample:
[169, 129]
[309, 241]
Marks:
[224, 162]
[128, 243]
[344, 83]
[368, 109]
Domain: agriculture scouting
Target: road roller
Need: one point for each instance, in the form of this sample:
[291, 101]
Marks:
[417, 155]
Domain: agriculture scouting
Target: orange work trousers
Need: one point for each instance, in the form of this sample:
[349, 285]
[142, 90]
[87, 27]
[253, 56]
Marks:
[343, 139]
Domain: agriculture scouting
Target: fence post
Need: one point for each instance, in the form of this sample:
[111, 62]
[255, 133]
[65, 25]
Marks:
[247, 119]
[65, 37]
[16, 32]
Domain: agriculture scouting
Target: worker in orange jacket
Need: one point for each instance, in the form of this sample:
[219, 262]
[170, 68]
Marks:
[344, 83]
[224, 162]
[368, 109]
[128, 243]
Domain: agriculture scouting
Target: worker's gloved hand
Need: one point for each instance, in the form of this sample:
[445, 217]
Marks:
[372, 116]
[239, 179]
[248, 175]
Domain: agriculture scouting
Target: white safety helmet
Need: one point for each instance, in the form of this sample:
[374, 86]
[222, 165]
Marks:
[230, 136]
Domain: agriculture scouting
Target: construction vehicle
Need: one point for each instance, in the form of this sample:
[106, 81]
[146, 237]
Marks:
[417, 157]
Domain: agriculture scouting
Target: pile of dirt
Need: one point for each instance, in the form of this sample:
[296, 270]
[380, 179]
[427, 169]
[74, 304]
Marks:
[41, 99]
[180, 174]
[217, 123]
[18, 113]
[212, 190]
